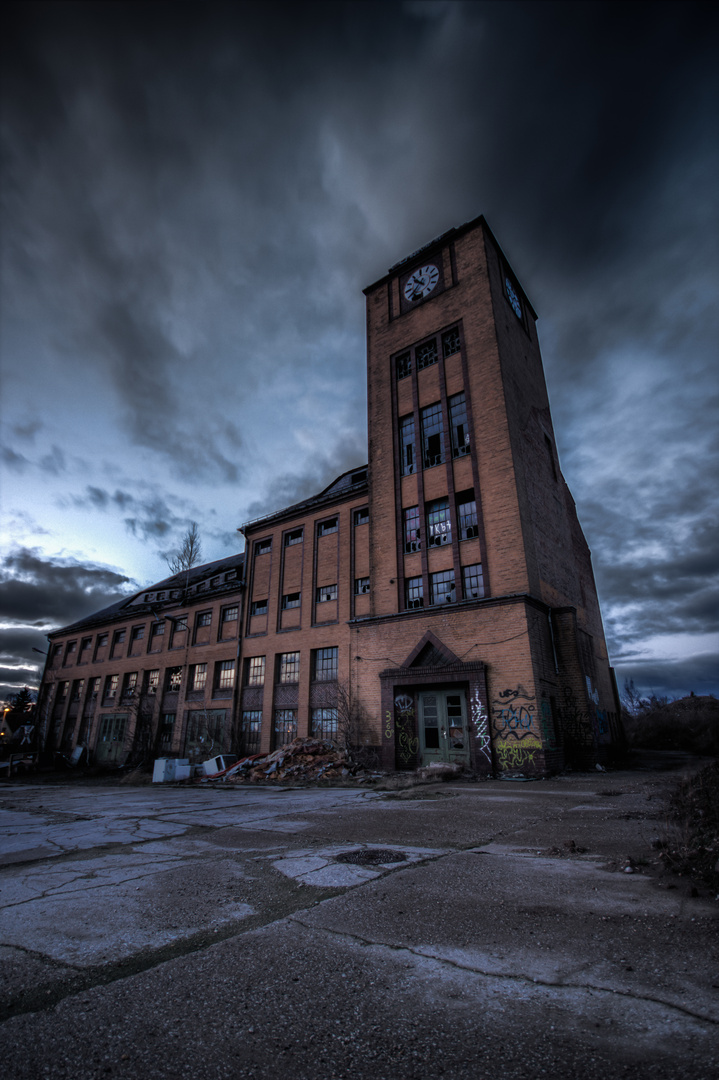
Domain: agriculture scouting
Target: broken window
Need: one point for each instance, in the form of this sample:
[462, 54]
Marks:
[289, 667]
[324, 664]
[458, 425]
[111, 683]
[167, 730]
[467, 515]
[325, 723]
[285, 726]
[326, 592]
[255, 671]
[326, 527]
[472, 582]
[432, 436]
[291, 600]
[441, 587]
[412, 530]
[426, 354]
[439, 524]
[294, 537]
[258, 607]
[450, 342]
[414, 593]
[403, 365]
[251, 728]
[406, 441]
[129, 684]
[153, 681]
[361, 585]
[77, 687]
[174, 679]
[198, 676]
[93, 686]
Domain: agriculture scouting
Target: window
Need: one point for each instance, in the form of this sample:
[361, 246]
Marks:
[467, 515]
[156, 631]
[412, 531]
[174, 679]
[414, 593]
[285, 726]
[404, 365]
[167, 730]
[439, 524]
[325, 723]
[63, 688]
[441, 587]
[198, 677]
[326, 527]
[229, 576]
[153, 681]
[324, 664]
[255, 671]
[226, 675]
[361, 517]
[117, 641]
[205, 619]
[102, 640]
[77, 689]
[93, 686]
[180, 623]
[263, 547]
[294, 537]
[426, 354]
[129, 684]
[258, 607]
[406, 441]
[229, 614]
[472, 582]
[512, 291]
[111, 683]
[291, 600]
[70, 648]
[432, 436]
[85, 646]
[361, 585]
[251, 728]
[326, 592]
[450, 342]
[289, 667]
[138, 633]
[458, 425]
[57, 649]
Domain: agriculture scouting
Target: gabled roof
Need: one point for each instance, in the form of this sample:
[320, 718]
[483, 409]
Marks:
[347, 485]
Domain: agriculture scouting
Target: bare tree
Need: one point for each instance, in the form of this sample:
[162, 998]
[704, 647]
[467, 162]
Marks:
[189, 553]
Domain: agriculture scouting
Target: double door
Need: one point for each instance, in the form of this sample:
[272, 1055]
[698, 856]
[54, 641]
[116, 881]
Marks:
[443, 734]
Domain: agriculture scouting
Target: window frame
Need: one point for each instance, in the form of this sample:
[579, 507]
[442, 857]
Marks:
[325, 664]
[330, 589]
[287, 667]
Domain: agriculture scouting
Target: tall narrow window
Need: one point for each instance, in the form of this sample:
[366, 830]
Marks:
[441, 587]
[110, 686]
[450, 342]
[285, 726]
[153, 681]
[467, 515]
[458, 423]
[255, 671]
[324, 665]
[412, 530]
[472, 582]
[414, 595]
[251, 728]
[225, 674]
[129, 684]
[406, 441]
[289, 667]
[439, 524]
[199, 676]
[404, 365]
[174, 679]
[426, 354]
[432, 436]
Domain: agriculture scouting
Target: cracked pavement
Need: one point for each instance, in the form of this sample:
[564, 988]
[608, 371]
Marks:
[458, 930]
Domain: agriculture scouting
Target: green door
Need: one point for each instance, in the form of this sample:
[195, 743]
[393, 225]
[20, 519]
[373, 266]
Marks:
[111, 740]
[443, 727]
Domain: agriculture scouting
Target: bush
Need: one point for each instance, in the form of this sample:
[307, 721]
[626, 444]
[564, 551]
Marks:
[691, 724]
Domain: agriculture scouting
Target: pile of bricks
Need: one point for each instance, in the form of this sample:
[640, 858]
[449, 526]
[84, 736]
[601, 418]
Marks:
[302, 759]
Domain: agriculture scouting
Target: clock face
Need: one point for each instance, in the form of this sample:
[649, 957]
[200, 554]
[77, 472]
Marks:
[421, 282]
[513, 298]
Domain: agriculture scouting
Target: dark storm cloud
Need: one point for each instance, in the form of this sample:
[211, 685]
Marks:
[56, 591]
[671, 678]
[147, 516]
[13, 460]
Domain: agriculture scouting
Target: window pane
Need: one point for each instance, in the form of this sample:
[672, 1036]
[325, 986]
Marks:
[458, 424]
[325, 723]
[414, 592]
[361, 516]
[404, 365]
[450, 342]
[406, 441]
[361, 585]
[432, 436]
[326, 592]
[290, 600]
[285, 726]
[439, 525]
[289, 667]
[441, 587]
[226, 678]
[294, 537]
[325, 664]
[426, 354]
[259, 607]
[255, 671]
[472, 582]
[412, 531]
[229, 614]
[200, 677]
[326, 527]
[251, 728]
[467, 516]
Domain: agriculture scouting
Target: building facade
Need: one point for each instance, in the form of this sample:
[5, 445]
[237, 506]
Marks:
[437, 604]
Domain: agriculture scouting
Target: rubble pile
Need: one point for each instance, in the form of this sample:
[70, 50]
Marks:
[302, 759]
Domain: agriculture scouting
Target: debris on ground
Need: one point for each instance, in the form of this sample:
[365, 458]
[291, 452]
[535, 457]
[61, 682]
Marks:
[692, 847]
[302, 759]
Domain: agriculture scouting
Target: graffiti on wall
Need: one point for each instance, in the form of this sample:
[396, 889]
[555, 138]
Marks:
[513, 712]
[546, 723]
[388, 725]
[518, 755]
[481, 727]
[407, 741]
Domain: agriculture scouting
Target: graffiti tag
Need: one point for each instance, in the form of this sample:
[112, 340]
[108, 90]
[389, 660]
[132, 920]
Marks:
[479, 719]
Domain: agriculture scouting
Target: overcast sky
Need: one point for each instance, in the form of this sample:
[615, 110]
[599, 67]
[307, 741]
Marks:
[195, 196]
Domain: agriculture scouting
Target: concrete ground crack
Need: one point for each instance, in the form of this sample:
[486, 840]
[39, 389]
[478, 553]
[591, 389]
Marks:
[513, 977]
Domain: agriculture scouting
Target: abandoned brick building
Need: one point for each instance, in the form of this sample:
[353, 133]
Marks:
[439, 601]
